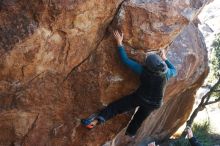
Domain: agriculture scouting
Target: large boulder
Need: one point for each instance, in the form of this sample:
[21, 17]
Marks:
[59, 64]
[153, 24]
[189, 55]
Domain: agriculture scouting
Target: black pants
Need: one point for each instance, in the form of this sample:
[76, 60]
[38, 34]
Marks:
[128, 103]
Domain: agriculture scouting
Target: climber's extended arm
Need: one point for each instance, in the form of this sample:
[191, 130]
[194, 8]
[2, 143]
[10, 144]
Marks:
[193, 141]
[136, 67]
[171, 70]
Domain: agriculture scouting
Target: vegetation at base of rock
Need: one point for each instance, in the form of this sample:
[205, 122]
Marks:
[213, 95]
[215, 66]
[215, 58]
[201, 132]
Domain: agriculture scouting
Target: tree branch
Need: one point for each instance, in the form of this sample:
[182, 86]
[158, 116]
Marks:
[208, 94]
[211, 102]
[202, 104]
[217, 91]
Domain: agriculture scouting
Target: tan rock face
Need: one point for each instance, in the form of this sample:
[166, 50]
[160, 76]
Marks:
[59, 64]
[185, 52]
[151, 25]
[63, 34]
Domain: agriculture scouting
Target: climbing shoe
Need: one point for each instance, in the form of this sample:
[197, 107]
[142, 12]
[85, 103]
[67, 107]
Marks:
[88, 121]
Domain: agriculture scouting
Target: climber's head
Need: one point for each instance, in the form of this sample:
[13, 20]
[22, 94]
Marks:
[155, 64]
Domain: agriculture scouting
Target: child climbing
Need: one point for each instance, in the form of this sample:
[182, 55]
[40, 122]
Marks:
[154, 74]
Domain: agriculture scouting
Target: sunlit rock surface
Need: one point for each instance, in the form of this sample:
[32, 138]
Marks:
[59, 64]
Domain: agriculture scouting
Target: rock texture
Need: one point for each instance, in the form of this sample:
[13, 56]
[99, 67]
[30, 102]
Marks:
[59, 63]
[180, 92]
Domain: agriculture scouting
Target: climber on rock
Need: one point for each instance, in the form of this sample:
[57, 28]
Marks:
[154, 74]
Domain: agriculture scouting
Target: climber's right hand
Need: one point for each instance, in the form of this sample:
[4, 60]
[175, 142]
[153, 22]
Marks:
[118, 37]
[163, 54]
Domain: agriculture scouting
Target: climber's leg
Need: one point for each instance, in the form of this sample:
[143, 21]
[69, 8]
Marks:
[124, 104]
[142, 113]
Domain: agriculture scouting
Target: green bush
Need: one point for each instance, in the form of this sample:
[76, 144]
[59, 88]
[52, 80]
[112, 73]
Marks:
[200, 131]
[180, 142]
